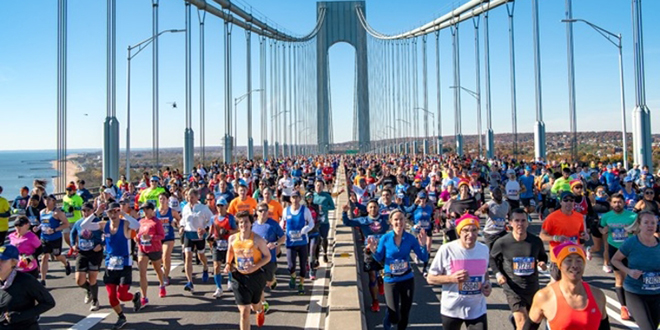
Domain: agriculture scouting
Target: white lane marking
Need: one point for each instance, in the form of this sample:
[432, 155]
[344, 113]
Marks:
[315, 313]
[175, 265]
[90, 321]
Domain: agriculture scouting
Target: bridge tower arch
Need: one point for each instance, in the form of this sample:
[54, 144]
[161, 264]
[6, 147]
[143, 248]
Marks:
[341, 23]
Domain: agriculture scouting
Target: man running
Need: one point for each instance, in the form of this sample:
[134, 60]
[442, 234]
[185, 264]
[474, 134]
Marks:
[224, 225]
[516, 258]
[88, 244]
[71, 205]
[53, 223]
[270, 231]
[324, 200]
[243, 203]
[299, 223]
[195, 218]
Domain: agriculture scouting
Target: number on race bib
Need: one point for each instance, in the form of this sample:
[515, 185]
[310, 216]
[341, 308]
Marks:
[295, 236]
[222, 245]
[470, 287]
[398, 267]
[651, 281]
[244, 263]
[523, 266]
[116, 263]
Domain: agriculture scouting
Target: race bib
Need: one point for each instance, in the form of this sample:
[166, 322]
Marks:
[619, 235]
[221, 245]
[499, 223]
[470, 287]
[574, 239]
[523, 266]
[145, 242]
[244, 263]
[651, 281]
[86, 245]
[68, 214]
[295, 235]
[165, 222]
[424, 224]
[116, 263]
[398, 267]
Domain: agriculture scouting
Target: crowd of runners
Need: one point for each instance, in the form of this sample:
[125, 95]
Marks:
[249, 213]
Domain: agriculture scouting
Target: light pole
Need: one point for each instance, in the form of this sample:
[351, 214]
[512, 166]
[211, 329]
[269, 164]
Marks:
[238, 100]
[477, 97]
[140, 46]
[432, 118]
[618, 44]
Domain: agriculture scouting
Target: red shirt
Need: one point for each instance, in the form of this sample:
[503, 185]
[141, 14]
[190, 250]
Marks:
[153, 228]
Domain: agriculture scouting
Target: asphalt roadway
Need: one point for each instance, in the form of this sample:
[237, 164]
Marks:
[425, 313]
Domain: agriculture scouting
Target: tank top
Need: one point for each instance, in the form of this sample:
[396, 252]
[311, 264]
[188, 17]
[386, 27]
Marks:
[166, 220]
[582, 207]
[568, 318]
[117, 247]
[48, 221]
[630, 199]
[245, 252]
[294, 226]
[650, 206]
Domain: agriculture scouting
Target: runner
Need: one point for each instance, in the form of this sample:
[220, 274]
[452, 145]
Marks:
[497, 211]
[23, 299]
[88, 245]
[421, 214]
[118, 261]
[513, 189]
[34, 215]
[270, 231]
[569, 303]
[516, 257]
[629, 193]
[71, 205]
[314, 236]
[151, 194]
[149, 238]
[243, 202]
[642, 283]
[170, 220]
[299, 222]
[374, 225]
[560, 226]
[461, 267]
[29, 247]
[195, 218]
[246, 257]
[326, 204]
[224, 224]
[614, 224]
[53, 222]
[393, 251]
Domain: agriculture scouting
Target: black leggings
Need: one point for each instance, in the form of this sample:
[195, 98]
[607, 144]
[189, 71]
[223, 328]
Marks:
[399, 299]
[297, 252]
[645, 309]
[450, 323]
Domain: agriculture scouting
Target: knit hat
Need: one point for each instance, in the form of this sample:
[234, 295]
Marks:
[563, 250]
[463, 182]
[466, 220]
[576, 182]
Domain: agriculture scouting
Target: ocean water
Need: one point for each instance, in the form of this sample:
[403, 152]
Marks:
[20, 168]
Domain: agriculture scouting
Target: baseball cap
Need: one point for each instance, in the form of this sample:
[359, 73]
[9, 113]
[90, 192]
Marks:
[221, 201]
[8, 252]
[68, 187]
[296, 193]
[628, 179]
[147, 205]
[113, 206]
[246, 171]
[567, 194]
[108, 191]
[155, 178]
[309, 194]
[421, 194]
[510, 171]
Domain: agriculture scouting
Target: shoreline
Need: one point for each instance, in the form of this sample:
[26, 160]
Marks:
[72, 168]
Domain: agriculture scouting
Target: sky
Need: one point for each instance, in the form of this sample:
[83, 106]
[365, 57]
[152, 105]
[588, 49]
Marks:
[28, 64]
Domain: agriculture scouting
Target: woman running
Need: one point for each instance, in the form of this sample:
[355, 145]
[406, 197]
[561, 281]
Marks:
[88, 245]
[393, 250]
[246, 256]
[642, 283]
[170, 220]
[29, 247]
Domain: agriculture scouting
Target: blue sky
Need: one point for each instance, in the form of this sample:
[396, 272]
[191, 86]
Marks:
[28, 65]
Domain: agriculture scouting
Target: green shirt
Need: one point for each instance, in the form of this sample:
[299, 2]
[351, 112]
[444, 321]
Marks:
[324, 200]
[561, 184]
[617, 224]
[72, 207]
[151, 195]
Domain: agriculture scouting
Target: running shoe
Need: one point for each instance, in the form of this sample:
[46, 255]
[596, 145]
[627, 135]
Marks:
[136, 302]
[189, 287]
[166, 281]
[261, 319]
[325, 258]
[625, 314]
[217, 293]
[121, 322]
[381, 286]
[312, 276]
[513, 321]
[375, 306]
[43, 282]
[144, 302]
[301, 289]
[589, 256]
[67, 269]
[230, 286]
[266, 306]
[607, 269]
[95, 306]
[162, 292]
[273, 285]
[292, 282]
[88, 298]
[205, 275]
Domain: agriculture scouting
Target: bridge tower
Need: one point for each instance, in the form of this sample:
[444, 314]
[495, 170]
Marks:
[342, 24]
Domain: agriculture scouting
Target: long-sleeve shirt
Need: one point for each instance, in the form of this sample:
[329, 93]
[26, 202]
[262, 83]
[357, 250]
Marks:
[421, 215]
[154, 228]
[25, 300]
[397, 258]
[371, 227]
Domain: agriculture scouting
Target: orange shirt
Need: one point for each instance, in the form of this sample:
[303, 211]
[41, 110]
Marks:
[275, 210]
[237, 205]
[558, 223]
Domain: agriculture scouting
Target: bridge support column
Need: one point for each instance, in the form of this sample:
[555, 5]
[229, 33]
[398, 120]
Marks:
[426, 147]
[229, 140]
[539, 125]
[188, 135]
[111, 125]
[642, 139]
[490, 145]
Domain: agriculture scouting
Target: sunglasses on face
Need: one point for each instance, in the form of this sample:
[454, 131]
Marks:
[568, 200]
[649, 193]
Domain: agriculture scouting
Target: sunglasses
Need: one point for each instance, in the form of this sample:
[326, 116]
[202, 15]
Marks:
[568, 200]
[649, 193]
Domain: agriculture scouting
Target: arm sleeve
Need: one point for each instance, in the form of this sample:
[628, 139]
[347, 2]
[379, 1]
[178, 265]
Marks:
[132, 222]
[44, 300]
[330, 205]
[409, 209]
[349, 222]
[542, 255]
[4, 208]
[160, 231]
[437, 265]
[87, 224]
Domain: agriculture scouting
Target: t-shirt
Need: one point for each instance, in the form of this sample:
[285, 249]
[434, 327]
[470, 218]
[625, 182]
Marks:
[496, 221]
[275, 210]
[269, 231]
[617, 223]
[237, 205]
[517, 261]
[512, 189]
[643, 258]
[558, 223]
[528, 182]
[462, 300]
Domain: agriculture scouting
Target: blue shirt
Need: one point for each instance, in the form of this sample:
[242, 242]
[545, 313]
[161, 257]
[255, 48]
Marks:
[87, 239]
[528, 182]
[271, 232]
[421, 215]
[644, 258]
[397, 258]
[370, 227]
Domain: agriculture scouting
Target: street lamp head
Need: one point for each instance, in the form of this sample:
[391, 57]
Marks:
[572, 20]
[177, 30]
